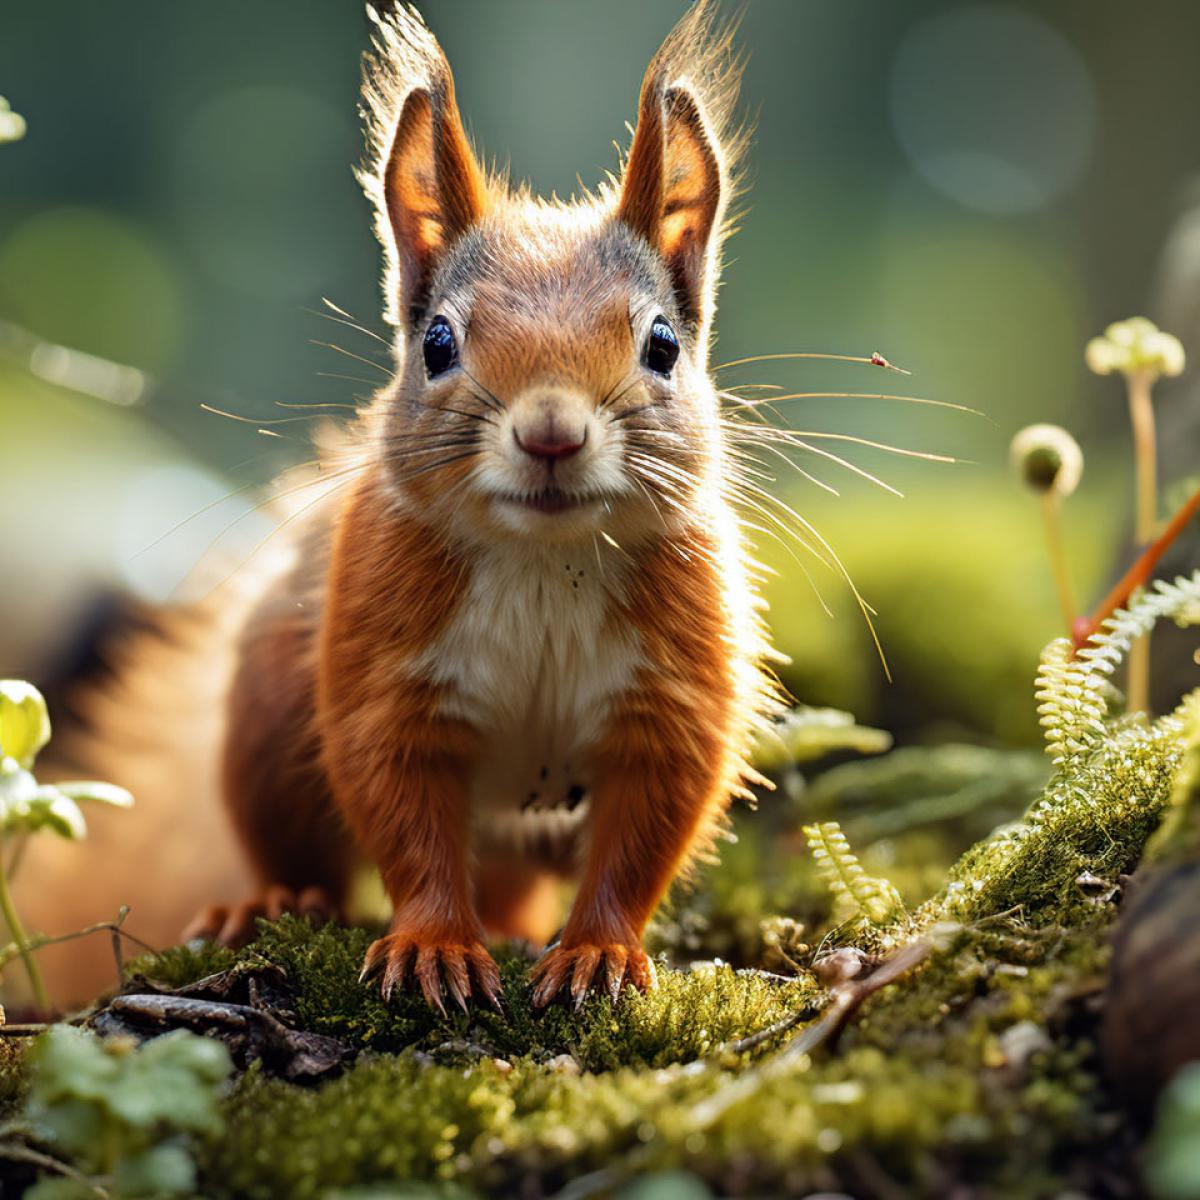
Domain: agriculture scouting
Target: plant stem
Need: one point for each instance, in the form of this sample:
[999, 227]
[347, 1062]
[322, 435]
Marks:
[1051, 511]
[1137, 677]
[1145, 453]
[12, 950]
[36, 982]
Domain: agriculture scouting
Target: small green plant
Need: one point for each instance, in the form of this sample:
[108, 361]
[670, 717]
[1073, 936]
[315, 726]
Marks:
[120, 1112]
[805, 734]
[1049, 460]
[12, 125]
[28, 807]
[857, 894]
[1142, 353]
[1073, 687]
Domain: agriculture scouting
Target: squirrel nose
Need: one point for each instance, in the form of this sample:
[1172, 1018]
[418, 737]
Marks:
[551, 442]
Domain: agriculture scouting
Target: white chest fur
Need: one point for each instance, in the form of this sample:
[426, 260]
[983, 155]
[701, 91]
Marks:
[533, 658]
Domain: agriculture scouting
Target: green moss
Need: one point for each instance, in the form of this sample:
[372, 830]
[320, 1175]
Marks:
[1101, 829]
[13, 1075]
[921, 1084]
[1179, 836]
[181, 965]
[686, 1016]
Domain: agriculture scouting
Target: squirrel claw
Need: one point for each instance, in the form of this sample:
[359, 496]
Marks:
[460, 969]
[578, 969]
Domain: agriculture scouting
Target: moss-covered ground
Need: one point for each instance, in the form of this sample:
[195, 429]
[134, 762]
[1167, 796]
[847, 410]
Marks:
[975, 1072]
[978, 1070]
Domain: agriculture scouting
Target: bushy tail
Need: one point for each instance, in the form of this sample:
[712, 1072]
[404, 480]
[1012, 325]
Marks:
[154, 726]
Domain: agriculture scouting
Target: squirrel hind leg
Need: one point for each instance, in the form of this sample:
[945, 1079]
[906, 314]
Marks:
[236, 924]
[276, 793]
[517, 900]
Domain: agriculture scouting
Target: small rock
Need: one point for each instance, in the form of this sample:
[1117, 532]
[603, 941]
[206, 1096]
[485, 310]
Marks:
[838, 966]
[1020, 1042]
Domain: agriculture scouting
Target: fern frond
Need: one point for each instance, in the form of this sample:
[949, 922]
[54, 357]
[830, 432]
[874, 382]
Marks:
[1073, 688]
[857, 893]
[803, 734]
[1177, 601]
[1071, 703]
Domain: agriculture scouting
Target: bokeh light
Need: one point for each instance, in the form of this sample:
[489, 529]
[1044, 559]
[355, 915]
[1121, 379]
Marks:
[993, 107]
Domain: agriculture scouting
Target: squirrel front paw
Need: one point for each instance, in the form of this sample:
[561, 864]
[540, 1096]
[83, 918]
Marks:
[437, 965]
[590, 966]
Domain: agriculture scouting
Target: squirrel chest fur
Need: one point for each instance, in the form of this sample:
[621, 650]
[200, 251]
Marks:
[535, 653]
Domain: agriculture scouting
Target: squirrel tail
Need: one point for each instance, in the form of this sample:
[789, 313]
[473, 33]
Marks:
[155, 726]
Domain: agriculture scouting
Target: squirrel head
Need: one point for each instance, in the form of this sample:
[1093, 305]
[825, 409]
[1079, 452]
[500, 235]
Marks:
[552, 357]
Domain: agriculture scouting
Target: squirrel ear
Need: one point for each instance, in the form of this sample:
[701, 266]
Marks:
[672, 193]
[433, 188]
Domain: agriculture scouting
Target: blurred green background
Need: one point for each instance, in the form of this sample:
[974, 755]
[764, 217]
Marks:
[972, 189]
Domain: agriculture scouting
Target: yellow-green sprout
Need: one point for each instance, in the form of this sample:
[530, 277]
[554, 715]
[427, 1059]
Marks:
[27, 806]
[1050, 461]
[12, 125]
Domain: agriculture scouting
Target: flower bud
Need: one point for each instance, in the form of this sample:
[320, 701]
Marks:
[1047, 458]
[1136, 344]
[24, 722]
[12, 125]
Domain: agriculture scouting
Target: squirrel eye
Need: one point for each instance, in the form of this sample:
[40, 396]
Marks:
[662, 347]
[439, 347]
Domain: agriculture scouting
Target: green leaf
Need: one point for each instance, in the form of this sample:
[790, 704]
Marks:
[1173, 1153]
[60, 1189]
[173, 1079]
[24, 721]
[164, 1170]
[806, 734]
[857, 893]
[95, 792]
[17, 788]
[27, 806]
[50, 809]
[71, 1062]
[666, 1185]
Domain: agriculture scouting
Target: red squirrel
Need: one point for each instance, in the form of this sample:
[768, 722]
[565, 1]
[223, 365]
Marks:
[521, 638]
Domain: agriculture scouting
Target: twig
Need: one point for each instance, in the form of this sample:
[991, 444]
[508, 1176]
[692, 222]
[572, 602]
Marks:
[753, 1040]
[1138, 574]
[845, 999]
[16, 1152]
[40, 941]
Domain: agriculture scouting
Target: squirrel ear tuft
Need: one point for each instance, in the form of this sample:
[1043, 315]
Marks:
[432, 184]
[673, 190]
[683, 166]
[423, 178]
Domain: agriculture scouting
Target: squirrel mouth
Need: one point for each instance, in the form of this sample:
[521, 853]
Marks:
[550, 500]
